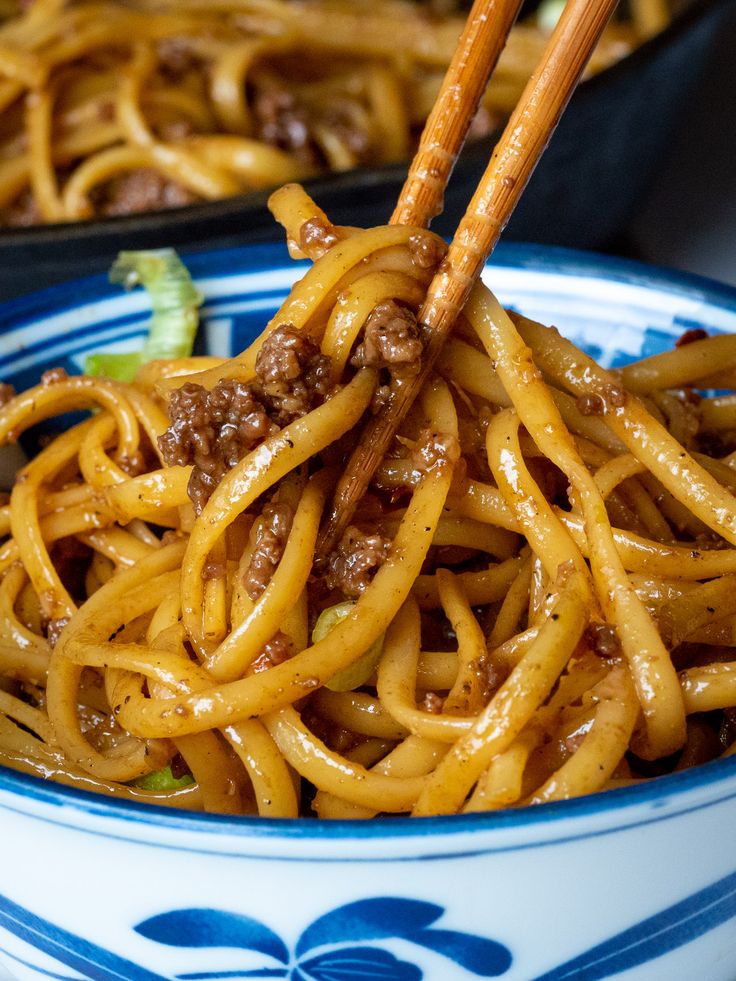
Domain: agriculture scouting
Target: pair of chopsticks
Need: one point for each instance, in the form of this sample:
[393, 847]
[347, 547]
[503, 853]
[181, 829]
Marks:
[514, 158]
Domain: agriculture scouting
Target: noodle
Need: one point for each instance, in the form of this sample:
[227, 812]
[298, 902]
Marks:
[115, 106]
[535, 600]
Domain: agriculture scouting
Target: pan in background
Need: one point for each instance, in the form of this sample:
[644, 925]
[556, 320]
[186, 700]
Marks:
[594, 177]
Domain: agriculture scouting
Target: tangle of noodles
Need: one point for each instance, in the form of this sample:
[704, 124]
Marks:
[114, 106]
[535, 600]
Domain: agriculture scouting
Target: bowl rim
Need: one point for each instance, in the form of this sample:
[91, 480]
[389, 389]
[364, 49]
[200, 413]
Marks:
[221, 263]
[590, 816]
[661, 797]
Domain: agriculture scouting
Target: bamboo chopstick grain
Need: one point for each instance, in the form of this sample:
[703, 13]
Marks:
[512, 163]
[480, 45]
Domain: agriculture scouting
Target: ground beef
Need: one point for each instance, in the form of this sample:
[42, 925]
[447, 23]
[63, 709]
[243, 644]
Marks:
[615, 396]
[213, 569]
[282, 122]
[390, 339]
[54, 375]
[277, 650]
[139, 191]
[338, 117]
[212, 430]
[7, 392]
[316, 235]
[603, 640]
[695, 334]
[215, 429]
[355, 561]
[294, 376]
[271, 537]
[331, 733]
[590, 404]
[23, 212]
[490, 676]
[426, 251]
[434, 449]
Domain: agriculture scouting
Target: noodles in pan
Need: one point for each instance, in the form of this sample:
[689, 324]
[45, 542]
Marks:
[110, 107]
[534, 601]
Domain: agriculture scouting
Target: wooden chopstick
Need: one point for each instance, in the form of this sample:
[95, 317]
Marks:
[478, 49]
[513, 160]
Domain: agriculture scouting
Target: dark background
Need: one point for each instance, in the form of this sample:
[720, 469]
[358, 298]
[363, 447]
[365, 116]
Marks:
[689, 216]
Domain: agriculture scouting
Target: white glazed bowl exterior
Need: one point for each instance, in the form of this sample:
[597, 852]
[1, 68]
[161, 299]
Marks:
[638, 883]
[578, 890]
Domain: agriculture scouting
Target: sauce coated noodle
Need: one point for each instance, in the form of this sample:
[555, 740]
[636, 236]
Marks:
[534, 601]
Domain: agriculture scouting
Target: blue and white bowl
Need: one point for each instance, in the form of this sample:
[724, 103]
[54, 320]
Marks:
[638, 883]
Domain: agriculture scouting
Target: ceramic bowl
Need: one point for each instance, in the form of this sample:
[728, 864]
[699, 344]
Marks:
[637, 883]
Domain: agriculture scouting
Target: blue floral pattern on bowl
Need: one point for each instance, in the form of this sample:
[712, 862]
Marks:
[327, 949]
[361, 922]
